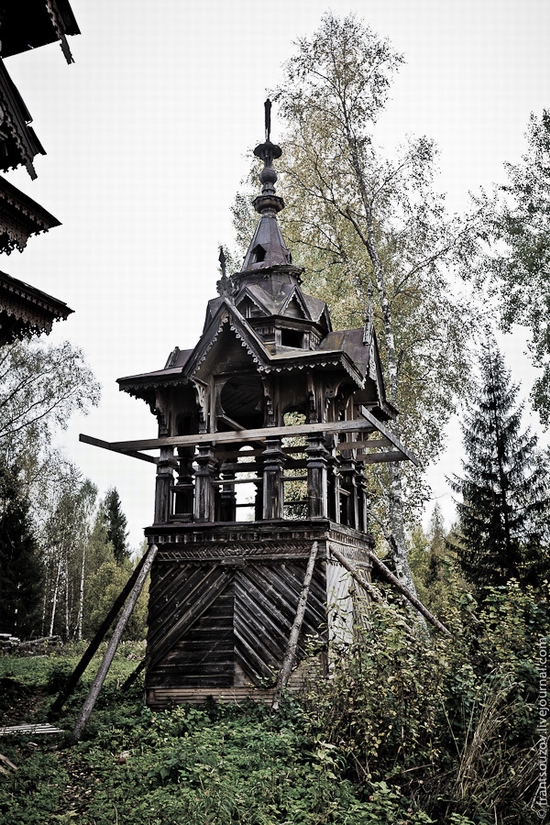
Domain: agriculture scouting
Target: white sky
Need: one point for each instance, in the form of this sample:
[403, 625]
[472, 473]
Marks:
[148, 135]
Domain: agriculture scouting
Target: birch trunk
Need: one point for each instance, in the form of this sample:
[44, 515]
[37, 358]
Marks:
[81, 594]
[55, 595]
[67, 628]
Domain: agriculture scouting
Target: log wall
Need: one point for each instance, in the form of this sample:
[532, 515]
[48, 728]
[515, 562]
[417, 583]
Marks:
[223, 601]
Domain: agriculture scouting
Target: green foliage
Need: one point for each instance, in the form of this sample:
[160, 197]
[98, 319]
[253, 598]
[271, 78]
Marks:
[370, 226]
[439, 583]
[448, 725]
[405, 731]
[504, 513]
[20, 569]
[103, 588]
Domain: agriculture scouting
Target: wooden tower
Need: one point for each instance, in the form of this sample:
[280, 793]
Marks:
[265, 427]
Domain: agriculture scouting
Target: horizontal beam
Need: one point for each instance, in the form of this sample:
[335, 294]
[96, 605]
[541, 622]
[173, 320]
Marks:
[342, 446]
[369, 423]
[97, 442]
[359, 425]
[380, 458]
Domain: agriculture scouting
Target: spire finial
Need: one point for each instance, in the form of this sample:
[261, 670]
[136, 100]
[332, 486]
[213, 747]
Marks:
[268, 152]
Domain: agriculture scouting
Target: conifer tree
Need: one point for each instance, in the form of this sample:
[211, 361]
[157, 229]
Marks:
[116, 525]
[503, 516]
[20, 568]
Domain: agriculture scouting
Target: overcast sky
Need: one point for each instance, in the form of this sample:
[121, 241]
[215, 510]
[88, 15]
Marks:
[149, 133]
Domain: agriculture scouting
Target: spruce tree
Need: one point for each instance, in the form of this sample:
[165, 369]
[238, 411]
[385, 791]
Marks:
[116, 525]
[502, 531]
[20, 568]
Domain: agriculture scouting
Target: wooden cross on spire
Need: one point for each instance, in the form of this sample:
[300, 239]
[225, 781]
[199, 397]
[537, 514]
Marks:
[267, 108]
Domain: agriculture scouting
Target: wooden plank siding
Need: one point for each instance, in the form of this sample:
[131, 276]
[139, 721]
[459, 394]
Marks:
[223, 602]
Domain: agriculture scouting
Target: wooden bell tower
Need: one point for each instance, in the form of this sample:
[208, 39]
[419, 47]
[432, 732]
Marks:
[265, 427]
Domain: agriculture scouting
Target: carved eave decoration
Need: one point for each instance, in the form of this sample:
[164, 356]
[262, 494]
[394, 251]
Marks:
[29, 24]
[20, 217]
[227, 315]
[18, 142]
[26, 311]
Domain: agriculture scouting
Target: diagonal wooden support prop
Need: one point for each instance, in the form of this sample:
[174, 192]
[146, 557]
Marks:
[386, 572]
[290, 655]
[91, 699]
[88, 654]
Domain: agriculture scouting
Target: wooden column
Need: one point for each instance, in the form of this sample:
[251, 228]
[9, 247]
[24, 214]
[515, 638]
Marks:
[228, 498]
[273, 466]
[259, 497]
[163, 488]
[317, 467]
[362, 498]
[183, 507]
[334, 486]
[349, 487]
[205, 502]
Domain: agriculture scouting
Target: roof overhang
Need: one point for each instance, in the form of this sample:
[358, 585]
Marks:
[29, 24]
[20, 217]
[26, 311]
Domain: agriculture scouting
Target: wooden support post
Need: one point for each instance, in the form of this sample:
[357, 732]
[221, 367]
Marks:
[273, 489]
[317, 487]
[183, 506]
[163, 489]
[205, 504]
[290, 655]
[88, 655]
[362, 499]
[228, 499]
[113, 644]
[350, 516]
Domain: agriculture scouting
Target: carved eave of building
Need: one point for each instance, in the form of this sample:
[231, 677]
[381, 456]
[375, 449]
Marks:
[18, 142]
[227, 316]
[27, 311]
[29, 24]
[340, 352]
[20, 217]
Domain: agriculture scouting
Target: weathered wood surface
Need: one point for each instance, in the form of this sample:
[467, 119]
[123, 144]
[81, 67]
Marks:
[223, 601]
[377, 425]
[358, 425]
[386, 572]
[105, 445]
[369, 588]
[290, 653]
[34, 730]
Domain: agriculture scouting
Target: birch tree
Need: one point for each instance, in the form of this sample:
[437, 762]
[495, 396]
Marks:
[517, 260]
[367, 226]
[41, 386]
[65, 539]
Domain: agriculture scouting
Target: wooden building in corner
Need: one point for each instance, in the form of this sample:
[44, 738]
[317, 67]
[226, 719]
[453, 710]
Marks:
[25, 25]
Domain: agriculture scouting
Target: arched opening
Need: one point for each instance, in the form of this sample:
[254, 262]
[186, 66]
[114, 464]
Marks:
[295, 473]
[242, 403]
